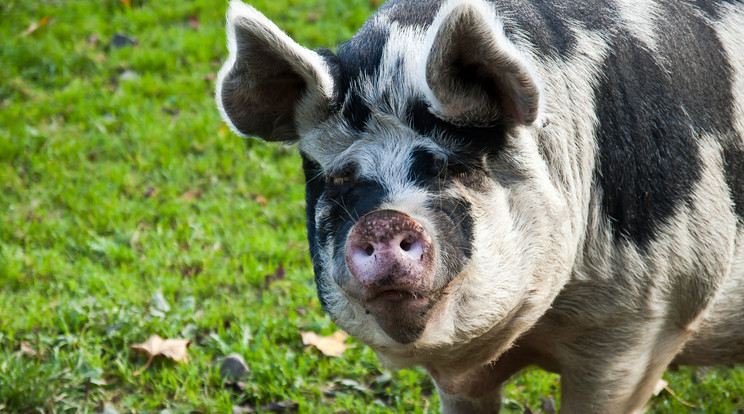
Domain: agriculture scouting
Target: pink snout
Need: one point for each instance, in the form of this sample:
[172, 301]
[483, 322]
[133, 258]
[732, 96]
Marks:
[388, 251]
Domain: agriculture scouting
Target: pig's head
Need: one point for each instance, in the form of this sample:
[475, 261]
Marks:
[432, 219]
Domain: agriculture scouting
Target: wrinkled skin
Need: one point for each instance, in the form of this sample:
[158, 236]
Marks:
[492, 185]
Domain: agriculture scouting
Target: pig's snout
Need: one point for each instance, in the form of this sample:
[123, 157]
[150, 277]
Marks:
[388, 251]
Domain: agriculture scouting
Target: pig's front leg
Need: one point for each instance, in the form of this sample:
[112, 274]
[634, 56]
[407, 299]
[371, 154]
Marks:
[488, 403]
[622, 381]
[479, 390]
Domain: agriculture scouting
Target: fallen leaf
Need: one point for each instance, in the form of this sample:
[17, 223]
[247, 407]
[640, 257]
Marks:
[278, 274]
[174, 349]
[192, 194]
[312, 17]
[663, 385]
[194, 21]
[126, 3]
[333, 345]
[191, 270]
[261, 201]
[35, 25]
[27, 350]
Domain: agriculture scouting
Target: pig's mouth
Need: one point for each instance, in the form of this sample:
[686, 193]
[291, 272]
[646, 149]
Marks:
[401, 314]
[391, 259]
[393, 295]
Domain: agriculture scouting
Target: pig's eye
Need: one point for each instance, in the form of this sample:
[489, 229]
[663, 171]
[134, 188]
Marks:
[338, 184]
[339, 180]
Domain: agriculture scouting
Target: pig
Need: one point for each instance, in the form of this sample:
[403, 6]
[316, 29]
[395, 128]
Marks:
[497, 184]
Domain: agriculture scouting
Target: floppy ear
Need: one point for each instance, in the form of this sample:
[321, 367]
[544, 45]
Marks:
[269, 84]
[475, 73]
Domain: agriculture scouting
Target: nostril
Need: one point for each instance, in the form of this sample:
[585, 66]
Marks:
[406, 244]
[369, 250]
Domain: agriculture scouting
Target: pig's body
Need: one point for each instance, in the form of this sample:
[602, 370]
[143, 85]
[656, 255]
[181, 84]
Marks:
[497, 184]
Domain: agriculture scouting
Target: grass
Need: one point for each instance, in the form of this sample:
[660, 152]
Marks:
[127, 209]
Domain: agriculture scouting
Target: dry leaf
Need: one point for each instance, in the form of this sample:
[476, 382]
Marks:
[329, 345]
[278, 274]
[663, 385]
[35, 25]
[194, 21]
[27, 350]
[192, 194]
[174, 349]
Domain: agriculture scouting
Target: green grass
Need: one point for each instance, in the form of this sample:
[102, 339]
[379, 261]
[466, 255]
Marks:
[120, 187]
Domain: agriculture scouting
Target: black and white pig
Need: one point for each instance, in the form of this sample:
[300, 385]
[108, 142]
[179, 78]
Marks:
[496, 184]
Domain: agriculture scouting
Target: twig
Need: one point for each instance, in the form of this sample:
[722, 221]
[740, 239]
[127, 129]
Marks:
[149, 361]
[678, 398]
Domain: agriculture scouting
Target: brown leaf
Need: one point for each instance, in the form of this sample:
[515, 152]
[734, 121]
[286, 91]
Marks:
[27, 350]
[313, 17]
[194, 21]
[261, 201]
[35, 25]
[192, 194]
[663, 385]
[174, 349]
[278, 274]
[333, 345]
[126, 3]
[191, 269]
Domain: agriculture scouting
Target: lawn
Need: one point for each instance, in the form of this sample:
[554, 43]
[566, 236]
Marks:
[128, 209]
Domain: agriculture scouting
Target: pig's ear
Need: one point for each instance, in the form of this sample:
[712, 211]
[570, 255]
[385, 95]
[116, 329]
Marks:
[269, 86]
[475, 74]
